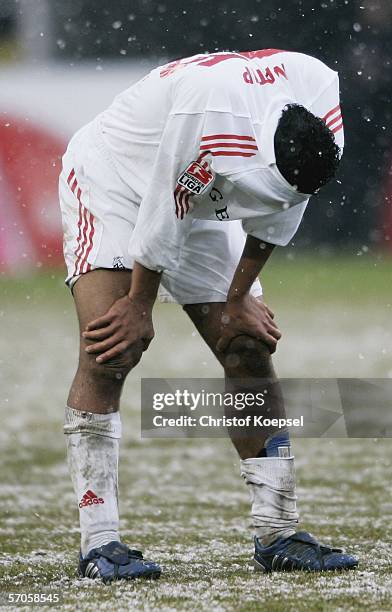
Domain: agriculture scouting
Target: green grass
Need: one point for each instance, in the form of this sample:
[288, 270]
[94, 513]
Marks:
[182, 501]
[335, 278]
[311, 276]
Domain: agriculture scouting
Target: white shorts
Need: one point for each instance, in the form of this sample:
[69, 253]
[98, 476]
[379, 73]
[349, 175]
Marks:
[99, 214]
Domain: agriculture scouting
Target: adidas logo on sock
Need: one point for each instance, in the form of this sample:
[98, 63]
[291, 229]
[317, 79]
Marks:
[90, 498]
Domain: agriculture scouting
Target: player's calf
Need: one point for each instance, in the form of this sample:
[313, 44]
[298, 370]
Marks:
[268, 469]
[93, 431]
[248, 368]
[267, 464]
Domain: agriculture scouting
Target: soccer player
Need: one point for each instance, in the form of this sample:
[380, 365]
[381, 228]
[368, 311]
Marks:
[187, 182]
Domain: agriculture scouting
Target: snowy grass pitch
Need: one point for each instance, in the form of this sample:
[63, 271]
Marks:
[183, 502]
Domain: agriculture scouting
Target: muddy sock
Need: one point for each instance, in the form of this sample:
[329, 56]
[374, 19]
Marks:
[93, 450]
[271, 482]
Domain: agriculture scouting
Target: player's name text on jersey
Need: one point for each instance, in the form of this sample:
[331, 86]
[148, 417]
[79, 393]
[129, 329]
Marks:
[265, 76]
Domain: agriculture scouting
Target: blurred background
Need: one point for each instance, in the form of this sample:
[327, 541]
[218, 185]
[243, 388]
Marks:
[62, 62]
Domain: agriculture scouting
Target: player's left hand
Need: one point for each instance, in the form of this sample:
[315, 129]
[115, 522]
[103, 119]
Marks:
[249, 316]
[126, 325]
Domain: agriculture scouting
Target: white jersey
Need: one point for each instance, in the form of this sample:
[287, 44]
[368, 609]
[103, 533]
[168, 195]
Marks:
[195, 139]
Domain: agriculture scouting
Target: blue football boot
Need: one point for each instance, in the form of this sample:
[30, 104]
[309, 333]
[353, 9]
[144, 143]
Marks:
[300, 552]
[115, 561]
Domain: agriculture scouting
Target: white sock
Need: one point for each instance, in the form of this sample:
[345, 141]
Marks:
[93, 449]
[271, 481]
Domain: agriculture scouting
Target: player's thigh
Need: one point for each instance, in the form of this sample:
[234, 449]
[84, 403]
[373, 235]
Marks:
[96, 291]
[207, 320]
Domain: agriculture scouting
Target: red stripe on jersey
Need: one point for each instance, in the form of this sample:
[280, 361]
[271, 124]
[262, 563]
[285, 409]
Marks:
[181, 195]
[201, 157]
[70, 176]
[80, 222]
[213, 59]
[232, 153]
[334, 120]
[180, 213]
[262, 53]
[89, 244]
[228, 145]
[186, 202]
[177, 200]
[182, 203]
[228, 136]
[180, 209]
[83, 244]
[85, 219]
[338, 127]
[331, 112]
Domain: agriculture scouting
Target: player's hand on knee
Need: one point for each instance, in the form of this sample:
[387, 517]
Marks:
[127, 323]
[246, 315]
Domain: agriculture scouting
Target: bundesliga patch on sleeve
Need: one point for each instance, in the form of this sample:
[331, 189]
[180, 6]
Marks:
[195, 178]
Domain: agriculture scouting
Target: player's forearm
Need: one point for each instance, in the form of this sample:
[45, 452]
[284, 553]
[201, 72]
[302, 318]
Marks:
[253, 258]
[145, 284]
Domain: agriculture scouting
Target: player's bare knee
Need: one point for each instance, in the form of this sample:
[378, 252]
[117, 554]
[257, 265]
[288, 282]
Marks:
[247, 356]
[113, 371]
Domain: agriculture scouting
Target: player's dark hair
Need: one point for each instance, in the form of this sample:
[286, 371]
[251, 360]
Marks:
[305, 149]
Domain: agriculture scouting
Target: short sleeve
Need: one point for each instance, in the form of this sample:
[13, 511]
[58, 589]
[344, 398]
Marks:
[276, 228]
[270, 208]
[229, 143]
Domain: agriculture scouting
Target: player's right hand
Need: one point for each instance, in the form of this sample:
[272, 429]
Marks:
[127, 324]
